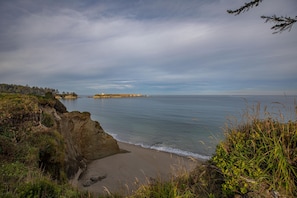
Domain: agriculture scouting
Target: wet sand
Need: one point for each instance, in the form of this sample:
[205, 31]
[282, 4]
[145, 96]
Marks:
[124, 172]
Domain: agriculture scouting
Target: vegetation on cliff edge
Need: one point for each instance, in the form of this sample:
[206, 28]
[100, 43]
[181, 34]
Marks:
[259, 157]
[31, 152]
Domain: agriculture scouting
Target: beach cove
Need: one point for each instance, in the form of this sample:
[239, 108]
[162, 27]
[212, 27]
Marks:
[125, 172]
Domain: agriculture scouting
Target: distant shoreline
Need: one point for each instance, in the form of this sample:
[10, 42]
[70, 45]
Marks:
[102, 95]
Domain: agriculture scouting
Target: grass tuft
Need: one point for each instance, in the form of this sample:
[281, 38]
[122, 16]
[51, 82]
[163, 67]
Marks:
[258, 157]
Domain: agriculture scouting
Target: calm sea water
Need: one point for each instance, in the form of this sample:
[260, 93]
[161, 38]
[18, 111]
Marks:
[185, 125]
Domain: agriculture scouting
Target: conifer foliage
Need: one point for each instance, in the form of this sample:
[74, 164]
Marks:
[281, 23]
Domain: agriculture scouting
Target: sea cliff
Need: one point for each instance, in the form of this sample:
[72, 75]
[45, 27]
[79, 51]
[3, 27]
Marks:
[85, 141]
[39, 131]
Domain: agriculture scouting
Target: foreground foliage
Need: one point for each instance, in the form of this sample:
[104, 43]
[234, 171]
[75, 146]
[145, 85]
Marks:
[259, 158]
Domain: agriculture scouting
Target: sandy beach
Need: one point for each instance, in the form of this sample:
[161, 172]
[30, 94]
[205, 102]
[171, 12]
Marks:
[124, 172]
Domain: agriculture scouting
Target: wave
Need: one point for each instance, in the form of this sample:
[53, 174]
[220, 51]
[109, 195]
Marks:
[177, 151]
[159, 146]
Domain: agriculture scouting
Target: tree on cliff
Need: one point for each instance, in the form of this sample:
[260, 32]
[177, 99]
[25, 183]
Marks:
[281, 23]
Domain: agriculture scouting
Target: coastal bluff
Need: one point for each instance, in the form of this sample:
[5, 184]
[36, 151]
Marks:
[85, 136]
[39, 130]
[85, 141]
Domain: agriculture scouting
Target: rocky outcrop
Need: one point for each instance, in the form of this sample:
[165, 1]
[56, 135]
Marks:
[85, 140]
[87, 135]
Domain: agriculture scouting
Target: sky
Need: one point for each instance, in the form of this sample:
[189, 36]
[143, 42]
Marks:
[148, 47]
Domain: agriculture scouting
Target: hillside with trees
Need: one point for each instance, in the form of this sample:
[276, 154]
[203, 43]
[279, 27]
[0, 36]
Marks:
[37, 91]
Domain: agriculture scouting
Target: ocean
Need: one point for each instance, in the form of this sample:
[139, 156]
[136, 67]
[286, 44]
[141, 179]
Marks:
[184, 125]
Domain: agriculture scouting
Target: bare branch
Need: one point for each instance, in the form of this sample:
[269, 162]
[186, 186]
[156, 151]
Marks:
[245, 8]
[281, 23]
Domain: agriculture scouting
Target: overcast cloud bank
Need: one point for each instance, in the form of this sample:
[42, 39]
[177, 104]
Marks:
[149, 47]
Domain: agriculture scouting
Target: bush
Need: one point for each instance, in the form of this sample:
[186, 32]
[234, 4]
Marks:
[11, 175]
[258, 158]
[51, 152]
[47, 120]
[39, 188]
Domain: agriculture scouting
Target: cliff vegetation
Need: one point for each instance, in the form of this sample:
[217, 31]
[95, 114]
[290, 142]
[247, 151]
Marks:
[43, 147]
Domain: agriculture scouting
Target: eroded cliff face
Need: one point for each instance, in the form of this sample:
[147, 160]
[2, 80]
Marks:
[85, 140]
[62, 140]
[87, 135]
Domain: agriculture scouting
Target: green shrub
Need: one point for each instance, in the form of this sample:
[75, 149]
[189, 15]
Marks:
[39, 189]
[50, 152]
[259, 157]
[47, 120]
[10, 175]
[7, 148]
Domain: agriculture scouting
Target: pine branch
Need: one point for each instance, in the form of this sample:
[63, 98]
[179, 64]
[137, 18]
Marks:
[281, 23]
[245, 8]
